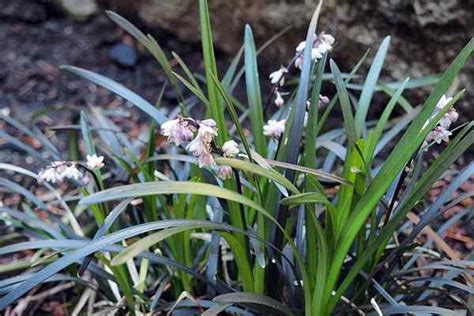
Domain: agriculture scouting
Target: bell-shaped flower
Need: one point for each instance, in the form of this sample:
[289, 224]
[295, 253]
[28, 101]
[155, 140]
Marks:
[279, 101]
[178, 131]
[95, 162]
[274, 128]
[230, 148]
[278, 77]
[224, 172]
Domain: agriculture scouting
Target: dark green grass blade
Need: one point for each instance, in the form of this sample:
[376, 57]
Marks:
[243, 298]
[349, 124]
[108, 222]
[399, 157]
[370, 85]
[423, 185]
[254, 95]
[215, 103]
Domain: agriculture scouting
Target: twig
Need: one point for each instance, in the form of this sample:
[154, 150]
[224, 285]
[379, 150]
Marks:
[23, 304]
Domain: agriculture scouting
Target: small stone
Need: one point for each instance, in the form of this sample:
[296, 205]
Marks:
[123, 54]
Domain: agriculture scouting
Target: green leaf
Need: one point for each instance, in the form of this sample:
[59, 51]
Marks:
[215, 104]
[316, 172]
[196, 91]
[240, 255]
[144, 243]
[86, 134]
[331, 104]
[304, 198]
[397, 160]
[233, 115]
[349, 125]
[271, 174]
[376, 133]
[254, 96]
[370, 85]
[87, 248]
[252, 298]
[312, 125]
[188, 72]
[294, 130]
[170, 187]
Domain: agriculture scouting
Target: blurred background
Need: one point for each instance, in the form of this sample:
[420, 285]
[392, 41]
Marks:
[37, 36]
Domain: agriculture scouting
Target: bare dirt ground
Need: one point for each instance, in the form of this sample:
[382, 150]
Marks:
[36, 40]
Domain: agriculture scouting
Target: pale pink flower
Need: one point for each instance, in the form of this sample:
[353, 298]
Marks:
[300, 47]
[278, 76]
[274, 128]
[95, 162]
[202, 151]
[206, 132]
[224, 172]
[445, 122]
[452, 115]
[208, 122]
[201, 145]
[279, 101]
[316, 54]
[205, 160]
[197, 147]
[438, 134]
[230, 148]
[178, 131]
[54, 172]
[323, 100]
[299, 62]
[322, 44]
[442, 134]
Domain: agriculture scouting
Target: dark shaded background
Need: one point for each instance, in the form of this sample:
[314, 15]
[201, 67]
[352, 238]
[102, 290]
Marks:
[36, 37]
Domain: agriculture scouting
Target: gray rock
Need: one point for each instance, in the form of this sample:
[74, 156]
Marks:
[123, 54]
[426, 34]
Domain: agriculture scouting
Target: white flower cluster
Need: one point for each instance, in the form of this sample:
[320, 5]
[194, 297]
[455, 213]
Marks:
[441, 131]
[322, 43]
[274, 128]
[57, 171]
[201, 135]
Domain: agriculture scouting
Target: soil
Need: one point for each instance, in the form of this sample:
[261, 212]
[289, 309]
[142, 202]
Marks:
[36, 40]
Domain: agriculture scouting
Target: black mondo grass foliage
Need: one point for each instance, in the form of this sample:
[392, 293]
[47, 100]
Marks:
[245, 211]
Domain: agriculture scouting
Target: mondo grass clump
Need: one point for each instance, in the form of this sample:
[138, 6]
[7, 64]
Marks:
[248, 206]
